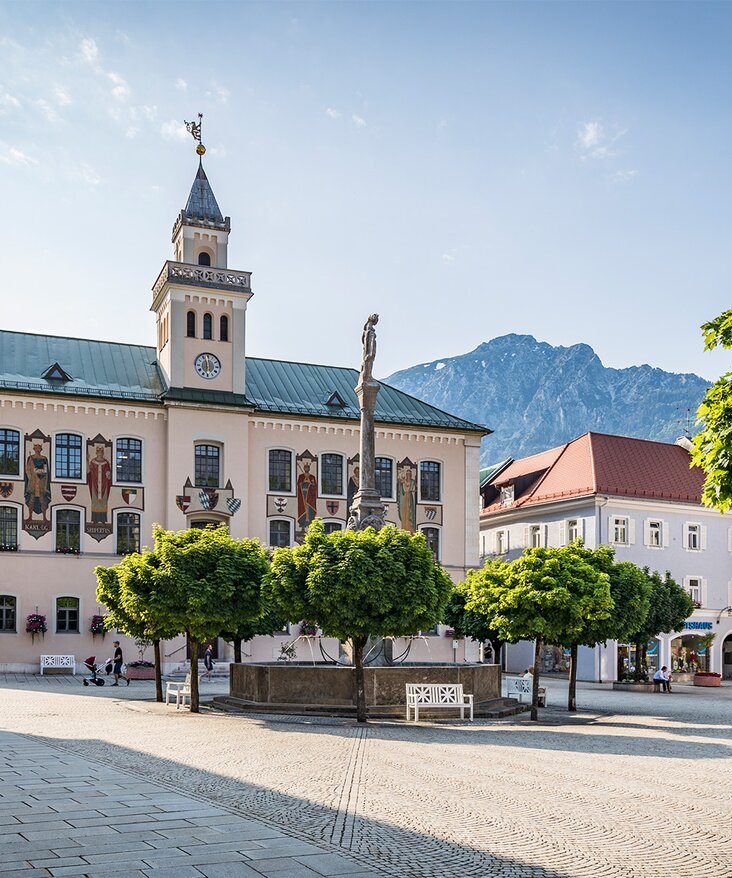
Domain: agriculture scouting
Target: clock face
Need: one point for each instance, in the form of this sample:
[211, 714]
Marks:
[207, 365]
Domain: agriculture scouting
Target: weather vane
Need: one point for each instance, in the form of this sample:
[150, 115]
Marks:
[194, 129]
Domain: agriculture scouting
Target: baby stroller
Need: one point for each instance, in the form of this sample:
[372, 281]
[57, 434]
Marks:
[93, 673]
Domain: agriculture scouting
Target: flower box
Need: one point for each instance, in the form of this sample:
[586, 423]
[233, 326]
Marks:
[706, 678]
[140, 673]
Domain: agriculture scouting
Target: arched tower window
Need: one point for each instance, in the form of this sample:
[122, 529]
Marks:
[224, 328]
[204, 258]
[207, 326]
[191, 324]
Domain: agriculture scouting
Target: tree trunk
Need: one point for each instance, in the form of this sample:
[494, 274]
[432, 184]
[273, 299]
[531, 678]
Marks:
[572, 698]
[644, 660]
[237, 650]
[359, 686]
[158, 672]
[637, 673]
[535, 692]
[194, 673]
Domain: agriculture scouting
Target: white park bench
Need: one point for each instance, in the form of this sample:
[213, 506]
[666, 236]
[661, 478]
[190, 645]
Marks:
[432, 695]
[180, 690]
[58, 661]
[519, 687]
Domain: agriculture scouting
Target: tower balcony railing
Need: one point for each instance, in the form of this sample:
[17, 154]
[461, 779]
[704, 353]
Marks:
[205, 276]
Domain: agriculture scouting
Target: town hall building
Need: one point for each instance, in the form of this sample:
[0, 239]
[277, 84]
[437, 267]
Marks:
[100, 440]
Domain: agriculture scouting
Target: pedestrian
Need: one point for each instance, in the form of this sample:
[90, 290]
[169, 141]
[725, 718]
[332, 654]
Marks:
[118, 660]
[208, 662]
[661, 677]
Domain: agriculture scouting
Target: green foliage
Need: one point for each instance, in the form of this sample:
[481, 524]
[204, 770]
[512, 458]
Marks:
[359, 583]
[669, 607]
[467, 623]
[547, 593]
[712, 447]
[267, 624]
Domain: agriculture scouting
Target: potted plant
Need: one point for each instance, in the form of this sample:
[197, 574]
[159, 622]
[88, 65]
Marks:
[707, 678]
[36, 624]
[97, 626]
[141, 669]
[308, 629]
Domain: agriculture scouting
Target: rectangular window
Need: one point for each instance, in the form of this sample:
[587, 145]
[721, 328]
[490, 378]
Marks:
[331, 527]
[68, 530]
[535, 536]
[279, 533]
[9, 453]
[572, 530]
[128, 533]
[8, 606]
[432, 536]
[280, 471]
[385, 477]
[693, 537]
[429, 481]
[129, 460]
[507, 495]
[67, 615]
[500, 542]
[68, 456]
[655, 534]
[620, 531]
[206, 471]
[695, 590]
[331, 474]
[8, 528]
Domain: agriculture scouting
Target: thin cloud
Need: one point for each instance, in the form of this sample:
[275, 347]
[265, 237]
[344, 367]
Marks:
[334, 114]
[594, 141]
[89, 52]
[87, 174]
[218, 92]
[181, 85]
[121, 90]
[448, 257]
[358, 121]
[63, 98]
[48, 111]
[8, 100]
[623, 176]
[9, 155]
[173, 130]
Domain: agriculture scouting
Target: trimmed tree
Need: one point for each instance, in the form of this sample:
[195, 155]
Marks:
[468, 623]
[201, 573]
[545, 595]
[669, 606]
[128, 590]
[712, 448]
[268, 624]
[355, 584]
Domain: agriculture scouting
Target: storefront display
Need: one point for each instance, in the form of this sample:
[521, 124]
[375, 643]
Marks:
[554, 660]
[627, 660]
[688, 655]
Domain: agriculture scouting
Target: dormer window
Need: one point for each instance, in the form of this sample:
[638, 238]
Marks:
[207, 326]
[335, 400]
[56, 373]
[507, 495]
[204, 258]
[191, 324]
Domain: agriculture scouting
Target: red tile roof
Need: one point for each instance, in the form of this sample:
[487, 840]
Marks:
[596, 463]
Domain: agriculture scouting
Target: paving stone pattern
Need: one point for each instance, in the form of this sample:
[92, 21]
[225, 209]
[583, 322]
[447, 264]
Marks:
[635, 786]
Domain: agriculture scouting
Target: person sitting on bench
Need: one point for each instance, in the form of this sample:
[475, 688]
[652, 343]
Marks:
[661, 677]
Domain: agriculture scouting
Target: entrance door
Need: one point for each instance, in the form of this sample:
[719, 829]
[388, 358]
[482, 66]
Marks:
[727, 657]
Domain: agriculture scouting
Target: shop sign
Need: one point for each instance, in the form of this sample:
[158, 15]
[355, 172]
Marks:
[697, 626]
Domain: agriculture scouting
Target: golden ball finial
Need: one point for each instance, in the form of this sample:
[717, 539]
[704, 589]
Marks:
[201, 149]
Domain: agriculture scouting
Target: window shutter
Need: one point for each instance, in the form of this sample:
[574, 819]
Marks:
[581, 529]
[703, 537]
[631, 531]
[544, 535]
[664, 525]
[507, 541]
[703, 592]
[646, 532]
[685, 531]
[527, 536]
[562, 533]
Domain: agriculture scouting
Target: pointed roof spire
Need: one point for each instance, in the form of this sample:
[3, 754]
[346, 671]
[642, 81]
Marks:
[202, 205]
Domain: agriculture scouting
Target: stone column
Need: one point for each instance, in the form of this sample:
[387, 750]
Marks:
[367, 509]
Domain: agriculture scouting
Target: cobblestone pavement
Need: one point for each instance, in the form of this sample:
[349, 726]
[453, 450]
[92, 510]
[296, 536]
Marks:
[634, 786]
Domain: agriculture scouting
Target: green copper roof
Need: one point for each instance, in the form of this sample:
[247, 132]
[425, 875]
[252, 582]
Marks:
[129, 372]
[488, 472]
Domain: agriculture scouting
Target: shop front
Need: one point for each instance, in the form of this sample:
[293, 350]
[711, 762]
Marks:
[554, 659]
[627, 659]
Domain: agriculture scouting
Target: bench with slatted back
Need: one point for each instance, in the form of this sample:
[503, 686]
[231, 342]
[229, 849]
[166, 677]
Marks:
[521, 688]
[58, 662]
[449, 696]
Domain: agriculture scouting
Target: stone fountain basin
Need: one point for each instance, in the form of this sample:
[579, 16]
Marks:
[298, 687]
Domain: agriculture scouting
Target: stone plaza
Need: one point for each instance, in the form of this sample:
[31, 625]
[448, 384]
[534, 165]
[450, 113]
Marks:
[107, 782]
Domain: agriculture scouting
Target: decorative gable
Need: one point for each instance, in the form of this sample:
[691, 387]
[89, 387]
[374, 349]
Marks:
[56, 373]
[335, 400]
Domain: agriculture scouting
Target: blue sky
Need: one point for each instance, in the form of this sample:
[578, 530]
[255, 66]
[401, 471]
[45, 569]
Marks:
[466, 170]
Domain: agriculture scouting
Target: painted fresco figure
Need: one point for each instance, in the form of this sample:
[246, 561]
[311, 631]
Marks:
[99, 479]
[352, 486]
[37, 483]
[407, 498]
[307, 497]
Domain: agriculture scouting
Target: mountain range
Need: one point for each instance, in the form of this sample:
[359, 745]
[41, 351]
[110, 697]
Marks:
[536, 396]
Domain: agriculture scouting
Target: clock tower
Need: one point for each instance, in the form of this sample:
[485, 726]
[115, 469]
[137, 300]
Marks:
[199, 302]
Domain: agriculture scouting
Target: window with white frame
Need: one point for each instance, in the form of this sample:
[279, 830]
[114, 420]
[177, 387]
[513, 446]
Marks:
[8, 528]
[68, 456]
[384, 477]
[694, 537]
[534, 541]
[280, 470]
[330, 527]
[573, 530]
[429, 481]
[331, 474]
[432, 536]
[655, 534]
[128, 460]
[68, 531]
[507, 495]
[501, 542]
[619, 530]
[694, 587]
[128, 533]
[8, 612]
[280, 532]
[67, 615]
[207, 462]
[9, 452]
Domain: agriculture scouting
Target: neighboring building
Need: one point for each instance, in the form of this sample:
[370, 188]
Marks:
[99, 440]
[643, 499]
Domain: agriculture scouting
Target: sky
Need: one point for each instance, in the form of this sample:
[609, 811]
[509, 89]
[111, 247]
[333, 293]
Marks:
[464, 169]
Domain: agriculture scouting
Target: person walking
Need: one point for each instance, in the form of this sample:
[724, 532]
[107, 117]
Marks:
[118, 660]
[208, 662]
